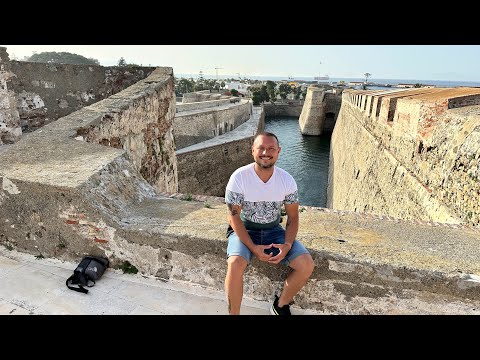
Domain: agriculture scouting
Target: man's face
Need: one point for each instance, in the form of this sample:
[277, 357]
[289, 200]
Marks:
[265, 151]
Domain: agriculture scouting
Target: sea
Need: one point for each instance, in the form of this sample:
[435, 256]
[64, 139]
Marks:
[393, 82]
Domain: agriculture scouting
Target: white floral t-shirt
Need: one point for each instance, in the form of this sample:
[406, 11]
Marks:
[261, 202]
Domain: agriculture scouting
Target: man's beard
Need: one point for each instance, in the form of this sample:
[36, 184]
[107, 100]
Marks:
[264, 166]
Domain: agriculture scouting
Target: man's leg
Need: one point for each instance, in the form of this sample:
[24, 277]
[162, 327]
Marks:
[234, 283]
[302, 267]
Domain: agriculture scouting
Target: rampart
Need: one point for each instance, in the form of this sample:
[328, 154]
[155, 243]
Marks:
[45, 92]
[76, 187]
[200, 96]
[322, 113]
[312, 118]
[333, 103]
[208, 104]
[217, 158]
[201, 124]
[289, 108]
[416, 154]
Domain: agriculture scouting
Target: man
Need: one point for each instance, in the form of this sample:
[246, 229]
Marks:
[254, 196]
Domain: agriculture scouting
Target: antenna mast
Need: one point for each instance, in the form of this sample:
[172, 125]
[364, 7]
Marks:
[216, 69]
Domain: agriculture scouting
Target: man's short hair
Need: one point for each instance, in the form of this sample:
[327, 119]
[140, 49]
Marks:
[266, 133]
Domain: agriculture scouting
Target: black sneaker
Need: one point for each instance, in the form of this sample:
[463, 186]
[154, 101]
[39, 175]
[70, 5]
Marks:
[277, 310]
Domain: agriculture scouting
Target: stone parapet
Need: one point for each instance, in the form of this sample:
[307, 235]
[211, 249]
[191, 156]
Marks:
[197, 96]
[429, 137]
[365, 264]
[195, 126]
[201, 105]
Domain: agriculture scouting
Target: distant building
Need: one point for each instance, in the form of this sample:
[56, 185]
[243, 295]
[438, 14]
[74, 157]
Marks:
[406, 86]
[240, 87]
[409, 86]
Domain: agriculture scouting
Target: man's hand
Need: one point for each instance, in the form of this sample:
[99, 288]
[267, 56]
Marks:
[267, 256]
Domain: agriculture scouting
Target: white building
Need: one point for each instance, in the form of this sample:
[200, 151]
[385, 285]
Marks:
[240, 87]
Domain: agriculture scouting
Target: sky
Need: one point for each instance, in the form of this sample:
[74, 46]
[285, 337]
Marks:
[419, 62]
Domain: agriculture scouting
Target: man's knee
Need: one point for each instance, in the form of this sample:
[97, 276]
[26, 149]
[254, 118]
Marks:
[304, 263]
[237, 264]
[309, 264]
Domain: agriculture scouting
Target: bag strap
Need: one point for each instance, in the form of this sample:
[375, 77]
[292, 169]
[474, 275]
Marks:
[80, 287]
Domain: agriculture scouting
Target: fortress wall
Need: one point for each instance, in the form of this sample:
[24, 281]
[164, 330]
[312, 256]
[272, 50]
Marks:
[64, 189]
[435, 135]
[447, 161]
[218, 158]
[316, 118]
[215, 163]
[312, 118]
[203, 95]
[333, 103]
[278, 109]
[140, 121]
[194, 128]
[374, 180]
[10, 129]
[436, 145]
[203, 105]
[47, 92]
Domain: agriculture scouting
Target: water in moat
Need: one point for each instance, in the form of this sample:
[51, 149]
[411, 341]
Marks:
[304, 157]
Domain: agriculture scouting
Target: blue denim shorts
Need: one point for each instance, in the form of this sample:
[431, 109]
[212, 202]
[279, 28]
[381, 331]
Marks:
[275, 235]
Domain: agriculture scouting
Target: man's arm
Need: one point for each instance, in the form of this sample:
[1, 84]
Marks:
[293, 220]
[237, 225]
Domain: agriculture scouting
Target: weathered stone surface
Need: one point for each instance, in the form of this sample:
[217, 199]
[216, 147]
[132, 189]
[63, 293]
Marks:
[313, 113]
[198, 125]
[416, 154]
[10, 130]
[45, 92]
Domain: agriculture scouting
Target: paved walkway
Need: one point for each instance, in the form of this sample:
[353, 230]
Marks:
[32, 286]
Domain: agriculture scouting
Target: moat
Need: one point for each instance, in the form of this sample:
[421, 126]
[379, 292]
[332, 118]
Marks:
[304, 157]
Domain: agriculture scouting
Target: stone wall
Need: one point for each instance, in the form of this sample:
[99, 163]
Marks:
[10, 130]
[201, 105]
[142, 126]
[333, 103]
[45, 92]
[416, 154]
[203, 95]
[192, 128]
[286, 109]
[312, 118]
[217, 158]
[207, 170]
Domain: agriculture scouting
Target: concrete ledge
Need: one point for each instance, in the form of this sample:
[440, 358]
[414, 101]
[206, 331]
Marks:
[364, 264]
